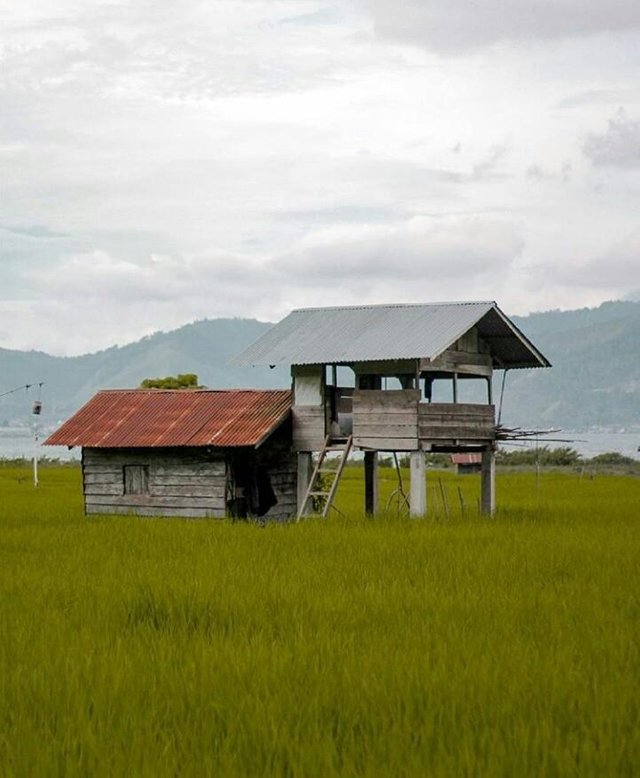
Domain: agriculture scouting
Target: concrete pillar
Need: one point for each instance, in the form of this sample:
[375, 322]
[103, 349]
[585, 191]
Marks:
[418, 486]
[305, 465]
[488, 482]
[371, 482]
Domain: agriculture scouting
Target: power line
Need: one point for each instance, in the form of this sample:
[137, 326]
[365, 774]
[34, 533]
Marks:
[39, 384]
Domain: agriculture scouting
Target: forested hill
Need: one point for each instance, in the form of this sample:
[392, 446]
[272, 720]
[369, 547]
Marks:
[595, 379]
[204, 347]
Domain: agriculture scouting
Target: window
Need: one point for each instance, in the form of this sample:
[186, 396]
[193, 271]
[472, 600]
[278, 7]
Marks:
[136, 479]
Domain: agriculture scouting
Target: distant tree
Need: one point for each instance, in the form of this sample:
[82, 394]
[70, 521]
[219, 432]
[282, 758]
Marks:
[543, 455]
[613, 458]
[182, 381]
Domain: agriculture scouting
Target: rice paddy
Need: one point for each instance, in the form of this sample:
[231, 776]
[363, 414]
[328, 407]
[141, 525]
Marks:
[450, 646]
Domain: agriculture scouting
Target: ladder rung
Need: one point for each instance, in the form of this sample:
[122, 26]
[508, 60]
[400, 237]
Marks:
[340, 445]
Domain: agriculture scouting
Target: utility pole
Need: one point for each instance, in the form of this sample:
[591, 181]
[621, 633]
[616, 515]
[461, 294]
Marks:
[35, 454]
[36, 410]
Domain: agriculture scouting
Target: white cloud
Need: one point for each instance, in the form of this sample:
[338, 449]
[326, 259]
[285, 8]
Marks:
[617, 269]
[618, 146]
[458, 25]
[418, 250]
[417, 259]
[324, 163]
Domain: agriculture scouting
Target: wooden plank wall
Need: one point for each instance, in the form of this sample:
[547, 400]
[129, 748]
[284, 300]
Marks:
[460, 362]
[397, 421]
[284, 480]
[456, 421]
[309, 410]
[308, 427]
[386, 420]
[182, 482]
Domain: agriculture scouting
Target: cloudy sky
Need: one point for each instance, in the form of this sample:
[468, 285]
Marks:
[162, 162]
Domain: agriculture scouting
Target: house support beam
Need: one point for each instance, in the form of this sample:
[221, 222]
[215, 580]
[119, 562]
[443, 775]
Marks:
[418, 486]
[305, 469]
[488, 481]
[371, 482]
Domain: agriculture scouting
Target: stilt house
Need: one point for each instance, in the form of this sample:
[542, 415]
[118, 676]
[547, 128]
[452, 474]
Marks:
[390, 378]
[200, 453]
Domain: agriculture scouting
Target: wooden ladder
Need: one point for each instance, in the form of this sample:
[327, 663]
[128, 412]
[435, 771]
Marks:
[315, 487]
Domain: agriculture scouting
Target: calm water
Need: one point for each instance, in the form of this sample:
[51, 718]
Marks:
[20, 443]
[589, 444]
[17, 443]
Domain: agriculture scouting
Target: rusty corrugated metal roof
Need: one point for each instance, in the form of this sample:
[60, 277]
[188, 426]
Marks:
[142, 418]
[364, 333]
[467, 458]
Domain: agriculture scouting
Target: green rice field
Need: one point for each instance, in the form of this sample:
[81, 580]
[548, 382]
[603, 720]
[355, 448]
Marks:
[450, 646]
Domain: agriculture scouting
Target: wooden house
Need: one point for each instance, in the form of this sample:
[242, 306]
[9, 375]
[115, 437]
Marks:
[383, 378]
[467, 462]
[201, 453]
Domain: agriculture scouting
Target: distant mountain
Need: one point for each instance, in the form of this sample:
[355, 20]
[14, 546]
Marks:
[594, 381]
[595, 378]
[204, 347]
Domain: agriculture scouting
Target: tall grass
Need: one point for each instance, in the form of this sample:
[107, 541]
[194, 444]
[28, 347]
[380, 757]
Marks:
[449, 646]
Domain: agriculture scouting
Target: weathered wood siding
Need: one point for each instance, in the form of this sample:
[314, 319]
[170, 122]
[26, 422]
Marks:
[398, 421]
[456, 421]
[309, 412]
[469, 355]
[181, 482]
[466, 363]
[386, 420]
[284, 480]
[309, 425]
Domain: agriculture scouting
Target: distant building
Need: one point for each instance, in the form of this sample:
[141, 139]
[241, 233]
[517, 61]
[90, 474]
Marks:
[467, 462]
[201, 453]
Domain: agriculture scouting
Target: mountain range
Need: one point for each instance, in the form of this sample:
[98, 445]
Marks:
[594, 381]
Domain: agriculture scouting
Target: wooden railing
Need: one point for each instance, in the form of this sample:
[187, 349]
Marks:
[456, 421]
[386, 420]
[397, 421]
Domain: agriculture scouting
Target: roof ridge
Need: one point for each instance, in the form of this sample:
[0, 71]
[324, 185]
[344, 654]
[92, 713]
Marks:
[392, 305]
[141, 390]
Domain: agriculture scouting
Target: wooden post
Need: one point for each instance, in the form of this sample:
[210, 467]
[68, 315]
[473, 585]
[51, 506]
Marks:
[304, 475]
[371, 482]
[418, 486]
[488, 482]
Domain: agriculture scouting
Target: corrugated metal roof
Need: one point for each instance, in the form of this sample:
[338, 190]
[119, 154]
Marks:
[141, 418]
[371, 333]
[467, 458]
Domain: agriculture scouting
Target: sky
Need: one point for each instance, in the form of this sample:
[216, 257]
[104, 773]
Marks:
[165, 162]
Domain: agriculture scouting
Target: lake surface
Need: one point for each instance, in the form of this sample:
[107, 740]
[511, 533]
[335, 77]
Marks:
[590, 444]
[20, 443]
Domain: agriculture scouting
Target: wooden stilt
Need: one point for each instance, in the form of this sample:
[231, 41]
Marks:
[371, 482]
[418, 486]
[488, 482]
[304, 476]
